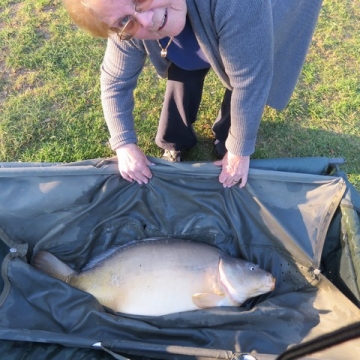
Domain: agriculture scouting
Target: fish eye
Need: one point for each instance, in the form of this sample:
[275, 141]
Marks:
[253, 267]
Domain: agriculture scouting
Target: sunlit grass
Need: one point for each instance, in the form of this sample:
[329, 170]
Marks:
[50, 94]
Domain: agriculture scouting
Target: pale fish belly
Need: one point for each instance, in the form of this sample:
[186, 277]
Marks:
[148, 280]
[164, 292]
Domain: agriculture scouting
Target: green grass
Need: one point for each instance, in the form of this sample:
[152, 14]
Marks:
[50, 94]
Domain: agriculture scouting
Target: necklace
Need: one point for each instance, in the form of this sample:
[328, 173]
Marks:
[163, 51]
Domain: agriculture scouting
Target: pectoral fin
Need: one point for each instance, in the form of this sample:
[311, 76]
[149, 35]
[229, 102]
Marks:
[206, 300]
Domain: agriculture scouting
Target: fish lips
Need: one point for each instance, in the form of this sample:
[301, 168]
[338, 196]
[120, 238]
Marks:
[273, 283]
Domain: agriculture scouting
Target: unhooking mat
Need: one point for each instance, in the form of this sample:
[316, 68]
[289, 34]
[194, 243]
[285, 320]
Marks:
[292, 219]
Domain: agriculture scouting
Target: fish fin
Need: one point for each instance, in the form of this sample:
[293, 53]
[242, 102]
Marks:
[51, 265]
[206, 300]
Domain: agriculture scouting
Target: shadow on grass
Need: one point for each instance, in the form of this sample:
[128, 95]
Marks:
[289, 140]
[286, 140]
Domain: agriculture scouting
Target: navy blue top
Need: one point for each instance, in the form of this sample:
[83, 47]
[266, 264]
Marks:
[184, 51]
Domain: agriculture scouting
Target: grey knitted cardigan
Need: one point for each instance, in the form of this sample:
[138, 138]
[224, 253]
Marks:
[256, 47]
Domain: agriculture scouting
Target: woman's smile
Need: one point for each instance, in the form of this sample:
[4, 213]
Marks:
[164, 21]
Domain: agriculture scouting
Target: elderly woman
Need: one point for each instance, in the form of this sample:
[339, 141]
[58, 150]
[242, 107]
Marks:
[256, 47]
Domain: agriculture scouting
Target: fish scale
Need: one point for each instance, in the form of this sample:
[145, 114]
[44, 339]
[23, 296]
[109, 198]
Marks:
[156, 277]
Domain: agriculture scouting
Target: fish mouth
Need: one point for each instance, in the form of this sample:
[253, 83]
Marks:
[164, 21]
[272, 286]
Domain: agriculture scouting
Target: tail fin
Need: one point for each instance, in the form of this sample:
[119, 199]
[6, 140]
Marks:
[51, 265]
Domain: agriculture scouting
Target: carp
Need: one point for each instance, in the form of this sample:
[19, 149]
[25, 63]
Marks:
[155, 277]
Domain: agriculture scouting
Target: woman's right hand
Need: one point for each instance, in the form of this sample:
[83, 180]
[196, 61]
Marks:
[133, 164]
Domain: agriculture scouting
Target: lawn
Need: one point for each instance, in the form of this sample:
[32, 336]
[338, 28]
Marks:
[50, 95]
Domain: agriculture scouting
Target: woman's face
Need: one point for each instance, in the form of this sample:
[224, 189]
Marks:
[163, 18]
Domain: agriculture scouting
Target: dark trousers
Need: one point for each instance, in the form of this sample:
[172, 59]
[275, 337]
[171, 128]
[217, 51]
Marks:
[181, 104]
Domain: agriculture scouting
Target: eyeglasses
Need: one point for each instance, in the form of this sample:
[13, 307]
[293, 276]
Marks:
[129, 25]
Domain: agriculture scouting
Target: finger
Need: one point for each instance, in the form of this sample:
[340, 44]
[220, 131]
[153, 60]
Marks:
[126, 176]
[225, 179]
[218, 162]
[229, 182]
[140, 178]
[131, 176]
[243, 181]
[143, 176]
[147, 172]
[148, 162]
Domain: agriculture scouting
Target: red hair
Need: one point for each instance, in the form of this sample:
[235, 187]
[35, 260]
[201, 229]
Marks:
[87, 18]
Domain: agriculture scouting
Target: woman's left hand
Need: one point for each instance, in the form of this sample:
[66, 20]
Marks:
[235, 170]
